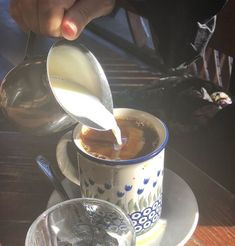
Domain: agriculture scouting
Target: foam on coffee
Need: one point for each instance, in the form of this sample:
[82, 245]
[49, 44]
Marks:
[138, 139]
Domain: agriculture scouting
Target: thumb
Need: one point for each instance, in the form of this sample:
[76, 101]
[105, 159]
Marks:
[81, 13]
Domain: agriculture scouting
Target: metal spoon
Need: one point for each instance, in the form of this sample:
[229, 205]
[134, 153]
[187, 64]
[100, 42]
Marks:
[48, 170]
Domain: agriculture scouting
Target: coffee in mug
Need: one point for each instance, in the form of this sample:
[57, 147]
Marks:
[138, 139]
[130, 175]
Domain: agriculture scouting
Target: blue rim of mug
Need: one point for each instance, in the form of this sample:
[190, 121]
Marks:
[130, 161]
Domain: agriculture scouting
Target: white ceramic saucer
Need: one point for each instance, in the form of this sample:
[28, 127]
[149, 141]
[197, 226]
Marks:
[179, 216]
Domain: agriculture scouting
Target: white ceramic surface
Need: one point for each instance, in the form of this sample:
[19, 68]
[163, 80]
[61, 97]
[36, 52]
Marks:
[179, 216]
[134, 184]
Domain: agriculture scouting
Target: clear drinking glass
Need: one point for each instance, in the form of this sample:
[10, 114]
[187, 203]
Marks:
[82, 222]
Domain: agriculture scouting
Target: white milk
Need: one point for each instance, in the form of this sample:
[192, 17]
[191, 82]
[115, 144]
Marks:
[78, 99]
[80, 102]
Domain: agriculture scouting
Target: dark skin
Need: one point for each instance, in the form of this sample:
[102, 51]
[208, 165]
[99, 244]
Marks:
[58, 18]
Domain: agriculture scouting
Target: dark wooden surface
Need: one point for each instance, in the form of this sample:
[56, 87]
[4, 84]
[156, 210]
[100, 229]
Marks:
[216, 204]
[24, 191]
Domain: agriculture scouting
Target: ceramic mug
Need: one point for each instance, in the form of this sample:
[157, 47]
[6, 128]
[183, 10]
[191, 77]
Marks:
[135, 185]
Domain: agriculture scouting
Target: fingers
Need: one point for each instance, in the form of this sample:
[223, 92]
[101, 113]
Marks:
[81, 13]
[56, 18]
[40, 16]
[50, 15]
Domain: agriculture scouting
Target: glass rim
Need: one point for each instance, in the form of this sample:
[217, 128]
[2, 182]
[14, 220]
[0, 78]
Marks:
[95, 201]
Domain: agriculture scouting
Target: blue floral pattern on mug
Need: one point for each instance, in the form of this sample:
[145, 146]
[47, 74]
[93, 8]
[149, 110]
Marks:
[154, 183]
[86, 184]
[140, 191]
[146, 181]
[120, 194]
[92, 182]
[107, 186]
[101, 191]
[128, 187]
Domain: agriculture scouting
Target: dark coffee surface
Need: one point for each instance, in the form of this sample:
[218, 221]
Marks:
[138, 140]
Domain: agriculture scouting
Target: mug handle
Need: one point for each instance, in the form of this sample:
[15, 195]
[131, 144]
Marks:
[64, 162]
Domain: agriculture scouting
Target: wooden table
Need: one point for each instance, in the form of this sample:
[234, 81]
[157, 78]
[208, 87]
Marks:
[24, 191]
[216, 204]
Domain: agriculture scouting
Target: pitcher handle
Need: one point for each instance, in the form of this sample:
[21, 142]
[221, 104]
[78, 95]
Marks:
[64, 162]
[29, 45]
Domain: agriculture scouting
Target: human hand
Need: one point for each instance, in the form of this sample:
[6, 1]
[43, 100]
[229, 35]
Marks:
[58, 18]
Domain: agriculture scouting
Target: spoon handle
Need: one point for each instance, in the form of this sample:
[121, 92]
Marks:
[47, 169]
